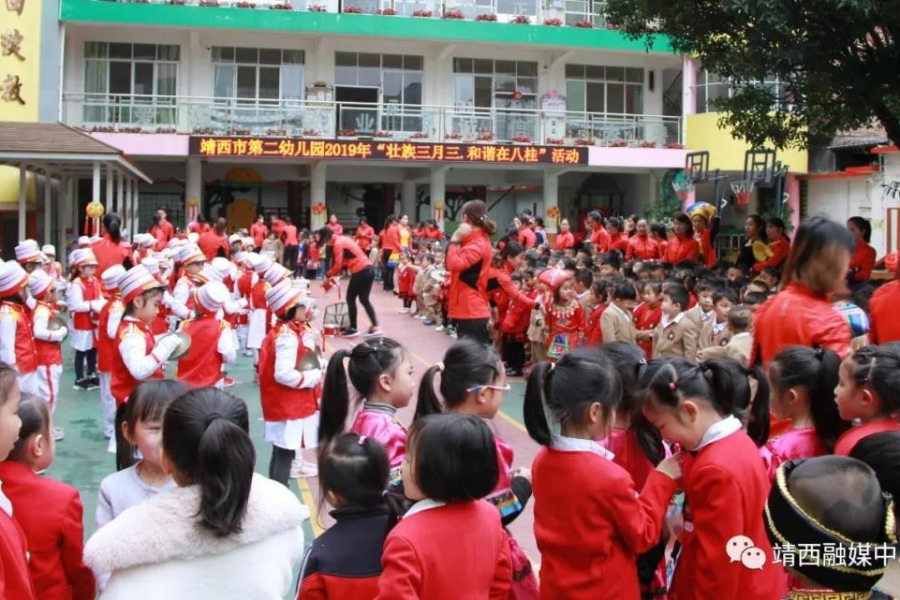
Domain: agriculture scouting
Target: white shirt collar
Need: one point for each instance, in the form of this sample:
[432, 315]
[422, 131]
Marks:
[719, 327]
[569, 444]
[422, 506]
[666, 321]
[718, 431]
[743, 334]
[706, 316]
[5, 502]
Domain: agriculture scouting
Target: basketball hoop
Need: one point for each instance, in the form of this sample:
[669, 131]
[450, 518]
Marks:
[683, 188]
[742, 191]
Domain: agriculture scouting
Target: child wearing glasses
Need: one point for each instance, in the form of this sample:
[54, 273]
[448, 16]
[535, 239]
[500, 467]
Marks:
[472, 381]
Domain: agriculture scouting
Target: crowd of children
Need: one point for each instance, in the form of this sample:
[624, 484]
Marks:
[664, 440]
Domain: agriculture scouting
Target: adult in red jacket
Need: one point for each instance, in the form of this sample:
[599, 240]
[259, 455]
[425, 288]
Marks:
[617, 239]
[884, 326]
[779, 246]
[291, 244]
[111, 249]
[259, 231]
[432, 231]
[526, 234]
[390, 244]
[564, 239]
[500, 286]
[801, 314]
[641, 246]
[347, 254]
[597, 233]
[335, 226]
[214, 243]
[683, 246]
[863, 260]
[468, 261]
[364, 234]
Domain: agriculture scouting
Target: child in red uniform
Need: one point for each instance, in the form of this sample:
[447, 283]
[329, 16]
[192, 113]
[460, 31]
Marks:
[514, 327]
[406, 276]
[17, 348]
[869, 390]
[450, 544]
[110, 318]
[85, 303]
[15, 580]
[50, 512]
[648, 315]
[586, 509]
[564, 316]
[47, 343]
[593, 336]
[473, 381]
[201, 366]
[725, 483]
[345, 561]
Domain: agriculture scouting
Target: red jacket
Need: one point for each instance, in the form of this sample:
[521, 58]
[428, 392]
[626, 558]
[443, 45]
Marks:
[86, 321]
[25, 348]
[884, 325]
[406, 277]
[122, 382]
[780, 250]
[107, 346]
[681, 248]
[518, 314]
[15, 580]
[590, 525]
[279, 402]
[363, 236]
[527, 237]
[210, 243]
[593, 336]
[452, 552]
[109, 253]
[50, 513]
[502, 290]
[258, 231]
[469, 263]
[619, 242]
[642, 248]
[646, 319]
[433, 233]
[725, 488]
[345, 251]
[854, 435]
[777, 324]
[202, 365]
[337, 228]
[290, 235]
[863, 261]
[600, 239]
[46, 353]
[565, 240]
[390, 238]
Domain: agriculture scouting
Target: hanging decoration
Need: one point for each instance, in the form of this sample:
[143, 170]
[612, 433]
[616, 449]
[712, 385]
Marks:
[438, 206]
[93, 213]
[193, 209]
[552, 215]
[319, 215]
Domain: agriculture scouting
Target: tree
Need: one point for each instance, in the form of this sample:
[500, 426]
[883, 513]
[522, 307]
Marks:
[836, 61]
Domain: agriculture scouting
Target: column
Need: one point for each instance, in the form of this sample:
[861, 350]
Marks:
[792, 200]
[193, 180]
[63, 221]
[23, 189]
[135, 205]
[126, 210]
[95, 193]
[437, 187]
[318, 209]
[551, 202]
[48, 190]
[120, 194]
[408, 200]
[690, 72]
[110, 178]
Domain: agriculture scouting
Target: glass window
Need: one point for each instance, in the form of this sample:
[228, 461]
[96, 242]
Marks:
[484, 66]
[483, 92]
[634, 99]
[370, 60]
[369, 77]
[575, 96]
[462, 65]
[463, 90]
[292, 57]
[505, 67]
[392, 61]
[615, 73]
[269, 57]
[344, 59]
[246, 55]
[526, 69]
[223, 81]
[168, 52]
[120, 51]
[145, 51]
[505, 83]
[220, 54]
[413, 63]
[594, 72]
[95, 76]
[143, 78]
[246, 82]
[119, 77]
[95, 49]
[594, 100]
[392, 88]
[575, 71]
[615, 98]
[634, 75]
[269, 86]
[292, 82]
[345, 75]
[412, 91]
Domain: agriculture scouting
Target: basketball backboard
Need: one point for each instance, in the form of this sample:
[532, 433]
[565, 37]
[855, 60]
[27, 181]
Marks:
[696, 166]
[759, 166]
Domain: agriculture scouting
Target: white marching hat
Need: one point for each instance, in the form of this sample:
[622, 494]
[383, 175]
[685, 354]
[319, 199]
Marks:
[283, 297]
[151, 264]
[190, 254]
[28, 251]
[49, 249]
[222, 267]
[135, 282]
[275, 273]
[260, 263]
[212, 296]
[39, 283]
[12, 278]
[109, 281]
[84, 241]
[83, 257]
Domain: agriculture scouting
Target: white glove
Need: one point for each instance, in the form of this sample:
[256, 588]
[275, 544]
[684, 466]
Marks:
[242, 303]
[97, 305]
[311, 377]
[165, 347]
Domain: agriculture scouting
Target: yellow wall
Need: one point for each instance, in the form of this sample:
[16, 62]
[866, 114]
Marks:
[726, 152]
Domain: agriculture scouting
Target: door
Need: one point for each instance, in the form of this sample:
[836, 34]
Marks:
[357, 108]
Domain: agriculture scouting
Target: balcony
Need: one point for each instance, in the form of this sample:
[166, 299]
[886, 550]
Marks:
[329, 120]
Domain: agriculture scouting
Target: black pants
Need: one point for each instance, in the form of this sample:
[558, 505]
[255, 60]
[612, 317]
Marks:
[280, 465]
[388, 273]
[514, 353]
[290, 257]
[473, 328]
[80, 357]
[360, 286]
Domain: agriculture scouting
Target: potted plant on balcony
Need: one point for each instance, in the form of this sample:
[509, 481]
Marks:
[584, 24]
[388, 12]
[176, 2]
[584, 142]
[383, 136]
[425, 14]
[552, 141]
[553, 22]
[318, 8]
[611, 26]
[484, 137]
[281, 6]
[647, 144]
[311, 133]
[521, 20]
[209, 2]
[453, 15]
[674, 146]
[130, 130]
[620, 143]
[245, 4]
[166, 130]
[521, 139]
[419, 135]
[347, 134]
[453, 136]
[354, 10]
[203, 131]
[486, 17]
[275, 132]
[103, 129]
[239, 131]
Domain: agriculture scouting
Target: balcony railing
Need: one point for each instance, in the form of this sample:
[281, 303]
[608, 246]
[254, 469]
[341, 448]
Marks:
[301, 118]
[569, 12]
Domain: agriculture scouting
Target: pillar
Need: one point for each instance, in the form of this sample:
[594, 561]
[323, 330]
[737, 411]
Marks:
[95, 191]
[690, 71]
[48, 223]
[792, 190]
[126, 210]
[551, 202]
[110, 178]
[408, 200]
[120, 194]
[135, 205]
[318, 209]
[193, 185]
[438, 185]
[64, 219]
[23, 190]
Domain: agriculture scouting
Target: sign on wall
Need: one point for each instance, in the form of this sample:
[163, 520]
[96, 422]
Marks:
[401, 152]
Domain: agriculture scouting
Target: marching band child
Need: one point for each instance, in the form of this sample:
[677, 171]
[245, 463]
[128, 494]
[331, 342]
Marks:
[243, 288]
[160, 326]
[289, 389]
[593, 335]
[869, 390]
[260, 313]
[192, 262]
[17, 348]
[110, 318]
[28, 254]
[380, 370]
[725, 483]
[85, 304]
[53, 268]
[47, 342]
[586, 507]
[564, 316]
[676, 334]
[201, 367]
[49, 512]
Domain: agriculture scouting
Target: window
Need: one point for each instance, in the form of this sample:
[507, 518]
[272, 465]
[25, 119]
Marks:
[599, 89]
[257, 76]
[711, 87]
[398, 78]
[130, 83]
[494, 96]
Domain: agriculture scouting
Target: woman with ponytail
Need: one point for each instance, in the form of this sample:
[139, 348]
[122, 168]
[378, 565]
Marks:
[224, 533]
[468, 260]
[112, 248]
[381, 372]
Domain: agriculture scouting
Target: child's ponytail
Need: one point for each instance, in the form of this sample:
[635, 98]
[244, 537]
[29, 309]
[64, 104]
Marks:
[467, 364]
[335, 403]
[535, 416]
[428, 402]
[757, 413]
[206, 438]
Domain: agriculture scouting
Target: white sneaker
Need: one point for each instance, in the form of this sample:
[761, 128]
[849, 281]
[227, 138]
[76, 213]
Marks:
[403, 311]
[300, 469]
[439, 328]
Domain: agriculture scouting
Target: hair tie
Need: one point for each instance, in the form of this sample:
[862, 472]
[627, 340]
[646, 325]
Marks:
[362, 440]
[552, 366]
[384, 493]
[643, 361]
[440, 366]
[211, 417]
[819, 352]
[672, 386]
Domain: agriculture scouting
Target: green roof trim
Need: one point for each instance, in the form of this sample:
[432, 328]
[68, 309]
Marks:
[449, 30]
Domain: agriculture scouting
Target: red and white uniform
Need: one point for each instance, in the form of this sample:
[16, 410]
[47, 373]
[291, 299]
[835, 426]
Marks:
[85, 304]
[48, 345]
[243, 288]
[182, 304]
[110, 318]
[200, 367]
[17, 348]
